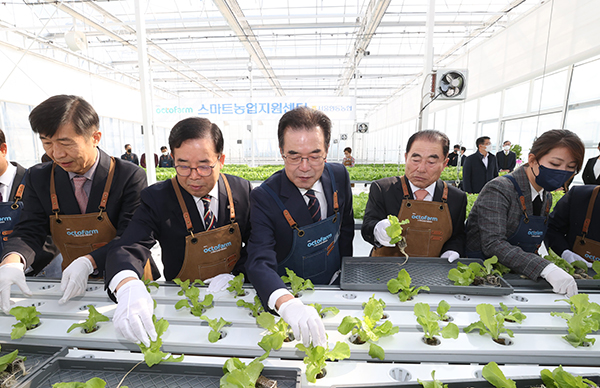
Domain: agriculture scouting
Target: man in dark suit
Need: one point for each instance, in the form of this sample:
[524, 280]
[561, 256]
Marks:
[506, 159]
[480, 167]
[297, 224]
[68, 127]
[130, 156]
[197, 146]
[425, 161]
[453, 156]
[591, 172]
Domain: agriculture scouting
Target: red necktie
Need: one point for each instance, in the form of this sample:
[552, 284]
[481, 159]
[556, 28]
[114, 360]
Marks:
[80, 195]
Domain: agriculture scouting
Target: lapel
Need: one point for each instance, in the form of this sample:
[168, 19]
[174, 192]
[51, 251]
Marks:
[223, 213]
[293, 201]
[67, 202]
[439, 189]
[17, 181]
[98, 182]
[328, 189]
[192, 208]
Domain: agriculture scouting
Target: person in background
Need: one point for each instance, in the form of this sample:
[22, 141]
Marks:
[302, 219]
[591, 172]
[453, 156]
[130, 156]
[506, 159]
[438, 231]
[83, 200]
[509, 219]
[463, 157]
[165, 160]
[480, 167]
[348, 160]
[207, 245]
[143, 160]
[574, 227]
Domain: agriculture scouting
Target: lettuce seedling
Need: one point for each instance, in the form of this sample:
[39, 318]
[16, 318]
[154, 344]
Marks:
[432, 384]
[192, 294]
[91, 383]
[256, 308]
[465, 275]
[150, 283]
[278, 332]
[152, 354]
[394, 231]
[596, 268]
[296, 282]
[429, 320]
[560, 378]
[322, 311]
[584, 319]
[216, 325]
[514, 315]
[27, 317]
[236, 374]
[366, 330]
[560, 262]
[402, 284]
[9, 364]
[491, 322]
[235, 285]
[492, 373]
[91, 323]
[316, 357]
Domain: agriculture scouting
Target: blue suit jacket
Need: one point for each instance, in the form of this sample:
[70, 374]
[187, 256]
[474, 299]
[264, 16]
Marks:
[475, 174]
[271, 236]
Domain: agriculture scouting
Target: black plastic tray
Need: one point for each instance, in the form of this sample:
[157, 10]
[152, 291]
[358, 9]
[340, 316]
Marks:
[522, 382]
[373, 273]
[517, 280]
[172, 375]
[37, 356]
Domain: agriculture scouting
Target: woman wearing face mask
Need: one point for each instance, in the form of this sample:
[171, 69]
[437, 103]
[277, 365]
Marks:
[510, 217]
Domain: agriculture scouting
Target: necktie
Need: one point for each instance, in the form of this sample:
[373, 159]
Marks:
[314, 207]
[209, 217]
[80, 195]
[1, 198]
[421, 194]
[537, 206]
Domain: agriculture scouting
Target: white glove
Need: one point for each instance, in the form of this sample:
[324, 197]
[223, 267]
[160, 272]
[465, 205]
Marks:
[450, 255]
[561, 282]
[74, 279]
[11, 273]
[133, 317]
[381, 235]
[305, 322]
[218, 283]
[572, 256]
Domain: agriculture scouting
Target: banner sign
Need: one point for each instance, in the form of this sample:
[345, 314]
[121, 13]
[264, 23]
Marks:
[260, 108]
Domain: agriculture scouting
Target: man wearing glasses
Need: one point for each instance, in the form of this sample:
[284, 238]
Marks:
[200, 217]
[302, 219]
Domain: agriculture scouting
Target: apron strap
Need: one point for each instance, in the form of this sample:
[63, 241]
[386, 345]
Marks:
[521, 196]
[336, 206]
[588, 216]
[288, 217]
[109, 179]
[18, 196]
[186, 214]
[445, 192]
[230, 198]
[404, 187]
[53, 197]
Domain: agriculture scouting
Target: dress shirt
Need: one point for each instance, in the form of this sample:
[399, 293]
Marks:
[485, 159]
[320, 194]
[6, 182]
[214, 202]
[535, 193]
[597, 168]
[430, 190]
[89, 174]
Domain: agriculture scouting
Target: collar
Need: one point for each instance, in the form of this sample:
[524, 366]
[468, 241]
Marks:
[317, 187]
[430, 189]
[89, 173]
[9, 175]
[535, 193]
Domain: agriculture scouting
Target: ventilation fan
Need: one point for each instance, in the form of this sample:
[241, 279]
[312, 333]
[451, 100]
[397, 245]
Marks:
[451, 84]
[362, 127]
[76, 40]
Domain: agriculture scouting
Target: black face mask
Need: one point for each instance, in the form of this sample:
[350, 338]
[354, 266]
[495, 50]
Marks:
[128, 150]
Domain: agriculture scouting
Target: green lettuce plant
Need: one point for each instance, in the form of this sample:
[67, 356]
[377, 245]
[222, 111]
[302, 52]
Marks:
[296, 282]
[10, 363]
[91, 323]
[278, 332]
[316, 357]
[465, 275]
[401, 285]
[432, 384]
[491, 322]
[192, 294]
[596, 268]
[216, 325]
[236, 374]
[235, 285]
[322, 311]
[559, 378]
[394, 231]
[94, 382]
[429, 320]
[513, 315]
[492, 373]
[256, 308]
[152, 354]
[28, 319]
[366, 329]
[585, 318]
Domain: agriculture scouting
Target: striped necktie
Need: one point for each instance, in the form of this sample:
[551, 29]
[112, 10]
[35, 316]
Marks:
[80, 194]
[314, 207]
[209, 217]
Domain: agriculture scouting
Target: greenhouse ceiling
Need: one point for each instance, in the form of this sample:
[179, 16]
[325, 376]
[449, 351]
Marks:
[201, 49]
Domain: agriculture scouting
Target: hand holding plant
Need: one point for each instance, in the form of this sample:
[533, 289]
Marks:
[278, 332]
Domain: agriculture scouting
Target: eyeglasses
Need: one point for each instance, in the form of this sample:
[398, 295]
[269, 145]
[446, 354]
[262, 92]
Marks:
[313, 160]
[186, 171]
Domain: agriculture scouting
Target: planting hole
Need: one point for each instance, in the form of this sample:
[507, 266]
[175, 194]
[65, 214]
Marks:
[586, 344]
[322, 374]
[349, 296]
[478, 374]
[464, 298]
[504, 341]
[290, 337]
[448, 319]
[223, 334]
[385, 316]
[38, 304]
[35, 326]
[431, 341]
[356, 340]
[88, 356]
[92, 288]
[519, 298]
[47, 286]
[400, 374]
[96, 328]
[85, 307]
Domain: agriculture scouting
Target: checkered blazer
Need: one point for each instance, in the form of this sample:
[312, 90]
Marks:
[495, 217]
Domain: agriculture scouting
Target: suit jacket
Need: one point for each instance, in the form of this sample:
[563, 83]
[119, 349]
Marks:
[386, 196]
[271, 237]
[588, 172]
[566, 220]
[506, 162]
[452, 159]
[475, 174]
[33, 227]
[495, 217]
[159, 218]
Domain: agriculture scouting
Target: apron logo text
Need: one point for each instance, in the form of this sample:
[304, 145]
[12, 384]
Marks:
[217, 248]
[535, 233]
[5, 219]
[424, 218]
[319, 241]
[591, 257]
[82, 233]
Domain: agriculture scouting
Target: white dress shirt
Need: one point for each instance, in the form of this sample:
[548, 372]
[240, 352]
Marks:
[597, 168]
[6, 182]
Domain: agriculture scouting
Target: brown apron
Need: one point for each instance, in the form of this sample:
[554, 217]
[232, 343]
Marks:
[429, 228]
[76, 235]
[585, 247]
[211, 252]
